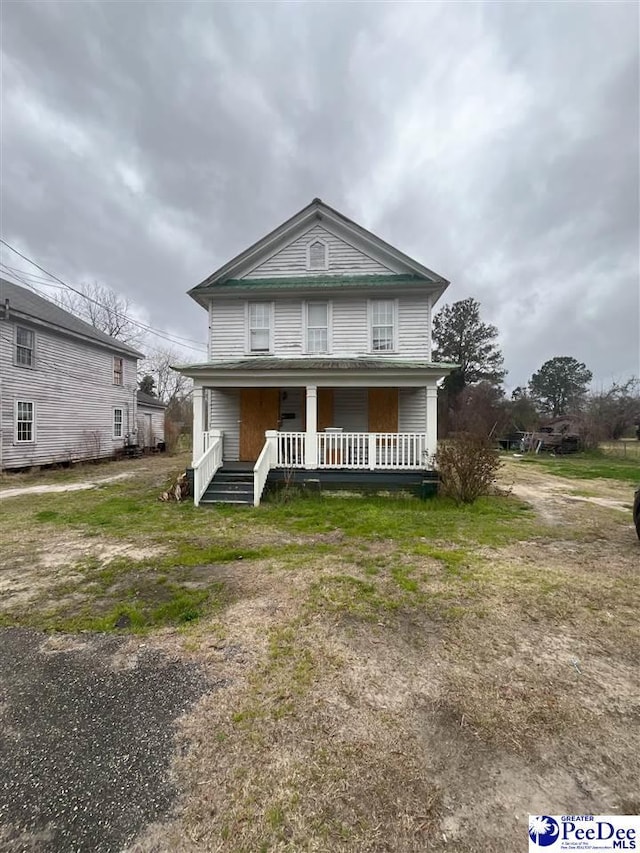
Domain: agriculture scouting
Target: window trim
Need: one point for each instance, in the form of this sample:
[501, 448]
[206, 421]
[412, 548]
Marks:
[113, 423]
[16, 439]
[247, 324]
[312, 242]
[121, 360]
[16, 362]
[394, 342]
[305, 325]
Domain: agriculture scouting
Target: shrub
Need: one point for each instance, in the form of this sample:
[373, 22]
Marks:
[467, 465]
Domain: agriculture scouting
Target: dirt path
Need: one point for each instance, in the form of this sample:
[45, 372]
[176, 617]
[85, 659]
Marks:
[93, 483]
[552, 496]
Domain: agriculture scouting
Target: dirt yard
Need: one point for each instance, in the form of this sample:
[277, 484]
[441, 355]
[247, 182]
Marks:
[378, 688]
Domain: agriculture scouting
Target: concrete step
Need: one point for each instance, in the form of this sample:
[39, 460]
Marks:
[235, 501]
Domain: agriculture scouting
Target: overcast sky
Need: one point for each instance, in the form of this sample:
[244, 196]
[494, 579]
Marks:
[145, 144]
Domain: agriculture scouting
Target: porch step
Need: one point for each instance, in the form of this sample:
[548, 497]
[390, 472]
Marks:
[230, 487]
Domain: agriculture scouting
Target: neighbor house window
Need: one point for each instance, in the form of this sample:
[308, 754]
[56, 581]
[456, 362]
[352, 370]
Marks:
[317, 255]
[117, 370]
[117, 423]
[24, 346]
[260, 326]
[25, 421]
[317, 327]
[383, 322]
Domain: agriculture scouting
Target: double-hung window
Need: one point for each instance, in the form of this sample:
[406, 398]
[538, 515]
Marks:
[117, 423]
[317, 327]
[117, 370]
[25, 421]
[383, 325]
[260, 326]
[24, 347]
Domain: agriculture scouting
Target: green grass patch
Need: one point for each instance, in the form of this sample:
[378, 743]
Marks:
[588, 466]
[490, 520]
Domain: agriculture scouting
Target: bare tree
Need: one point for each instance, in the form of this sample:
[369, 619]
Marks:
[104, 309]
[170, 386]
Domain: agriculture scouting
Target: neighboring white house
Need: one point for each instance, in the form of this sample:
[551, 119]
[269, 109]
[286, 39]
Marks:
[319, 356]
[67, 391]
[150, 421]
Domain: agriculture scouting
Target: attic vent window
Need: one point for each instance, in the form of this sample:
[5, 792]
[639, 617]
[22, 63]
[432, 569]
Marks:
[318, 256]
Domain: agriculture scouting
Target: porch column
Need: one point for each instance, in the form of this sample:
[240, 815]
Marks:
[198, 422]
[432, 419]
[311, 438]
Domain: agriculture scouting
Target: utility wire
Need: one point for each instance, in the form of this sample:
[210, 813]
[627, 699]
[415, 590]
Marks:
[149, 349]
[176, 340]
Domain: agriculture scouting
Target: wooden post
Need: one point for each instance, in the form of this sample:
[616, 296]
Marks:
[311, 438]
[271, 436]
[198, 423]
[432, 420]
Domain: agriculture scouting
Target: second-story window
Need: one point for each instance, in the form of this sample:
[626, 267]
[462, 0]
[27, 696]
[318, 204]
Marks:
[24, 347]
[117, 370]
[317, 327]
[260, 327]
[383, 325]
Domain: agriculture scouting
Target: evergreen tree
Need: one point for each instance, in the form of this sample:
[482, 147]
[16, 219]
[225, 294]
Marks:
[460, 337]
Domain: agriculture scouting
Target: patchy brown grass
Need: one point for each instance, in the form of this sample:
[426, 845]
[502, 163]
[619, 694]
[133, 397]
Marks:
[403, 694]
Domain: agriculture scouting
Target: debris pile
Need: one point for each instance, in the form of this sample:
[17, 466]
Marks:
[178, 491]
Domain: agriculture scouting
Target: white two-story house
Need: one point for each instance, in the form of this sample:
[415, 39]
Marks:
[319, 361]
[67, 391]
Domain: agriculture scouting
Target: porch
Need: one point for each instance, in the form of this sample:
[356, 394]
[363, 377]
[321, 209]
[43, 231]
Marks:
[312, 416]
[331, 457]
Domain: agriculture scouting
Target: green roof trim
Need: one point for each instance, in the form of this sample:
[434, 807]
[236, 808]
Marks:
[317, 281]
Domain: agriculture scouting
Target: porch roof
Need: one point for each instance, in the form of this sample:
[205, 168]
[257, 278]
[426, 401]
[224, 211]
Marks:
[270, 370]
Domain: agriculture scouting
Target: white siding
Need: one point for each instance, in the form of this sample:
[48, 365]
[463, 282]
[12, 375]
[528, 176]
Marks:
[72, 387]
[412, 408]
[344, 259]
[288, 328]
[350, 327]
[295, 404]
[224, 414]
[150, 425]
[414, 327]
[228, 329]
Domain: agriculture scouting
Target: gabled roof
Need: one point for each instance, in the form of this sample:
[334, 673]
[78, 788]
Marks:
[148, 400]
[27, 305]
[317, 212]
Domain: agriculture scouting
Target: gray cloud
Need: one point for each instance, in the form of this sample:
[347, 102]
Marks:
[144, 144]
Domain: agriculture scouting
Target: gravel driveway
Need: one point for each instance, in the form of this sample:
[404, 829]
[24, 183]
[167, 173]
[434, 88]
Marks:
[86, 739]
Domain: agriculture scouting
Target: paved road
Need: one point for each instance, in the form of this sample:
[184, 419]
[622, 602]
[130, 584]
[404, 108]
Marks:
[85, 740]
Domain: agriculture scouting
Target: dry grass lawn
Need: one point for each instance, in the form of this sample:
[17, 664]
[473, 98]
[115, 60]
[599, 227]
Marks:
[376, 685]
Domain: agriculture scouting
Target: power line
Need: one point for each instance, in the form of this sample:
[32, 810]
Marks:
[149, 349]
[178, 340]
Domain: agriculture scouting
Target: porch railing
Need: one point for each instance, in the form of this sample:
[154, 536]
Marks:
[354, 450]
[265, 462]
[290, 449]
[206, 466]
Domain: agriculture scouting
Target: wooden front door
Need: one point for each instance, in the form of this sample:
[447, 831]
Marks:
[383, 410]
[325, 408]
[259, 411]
